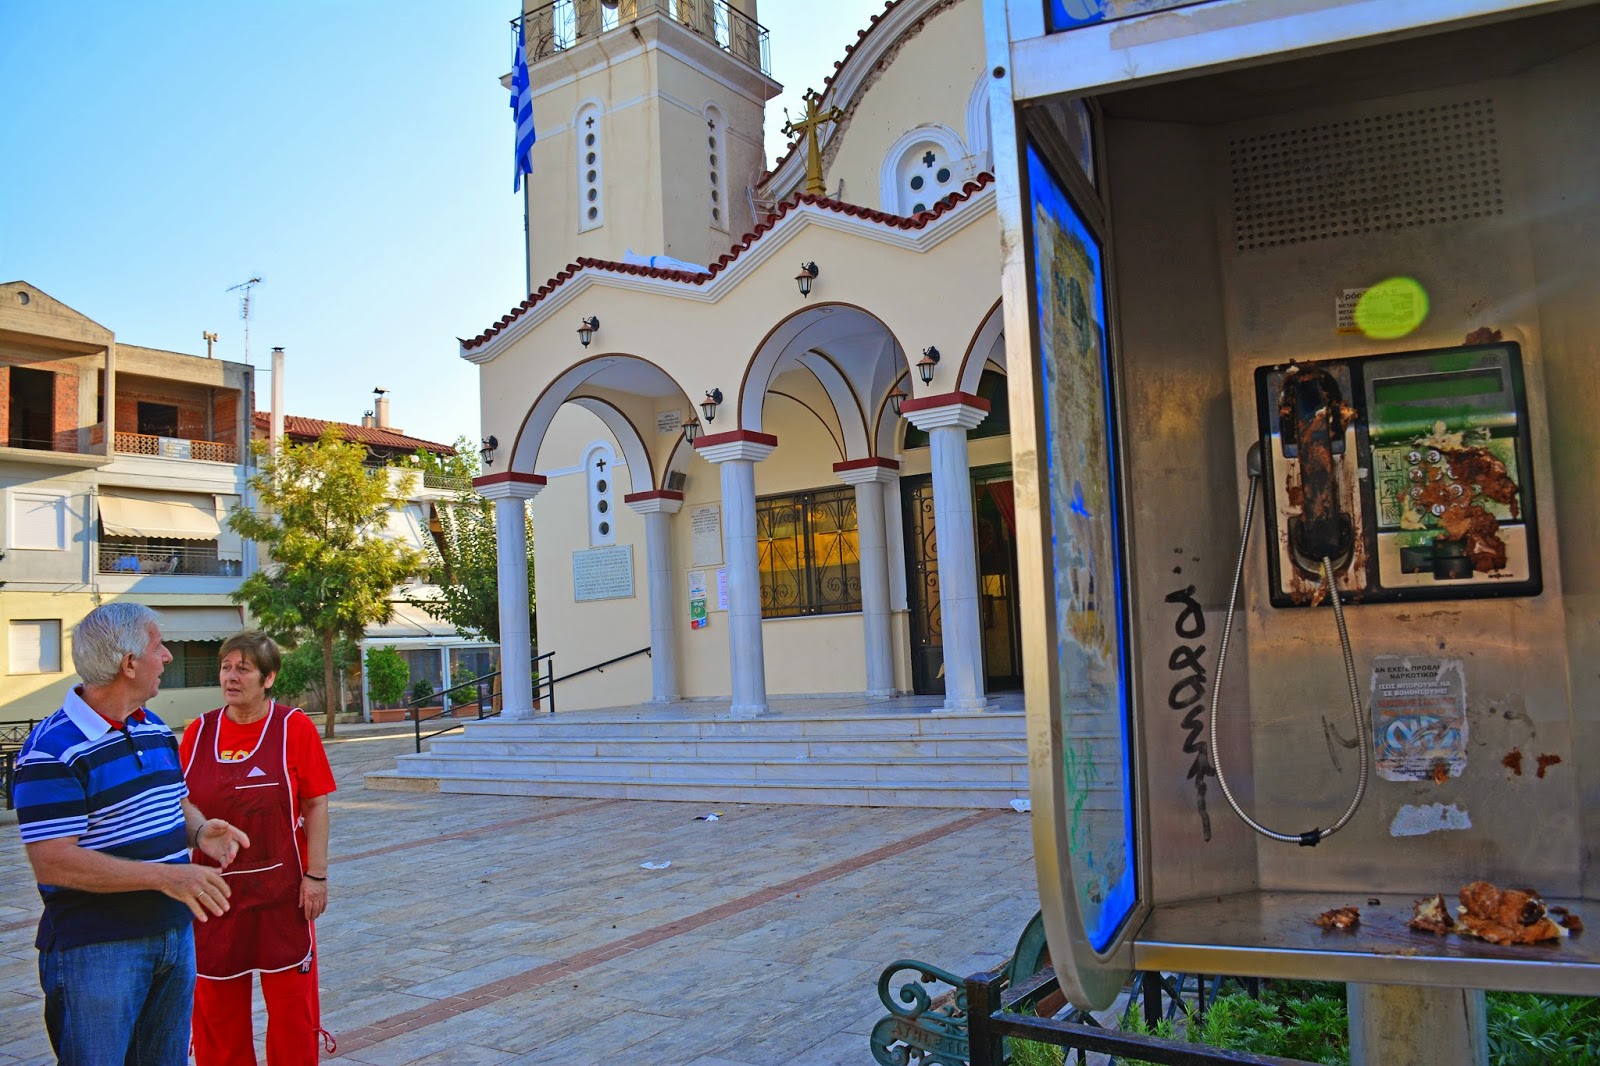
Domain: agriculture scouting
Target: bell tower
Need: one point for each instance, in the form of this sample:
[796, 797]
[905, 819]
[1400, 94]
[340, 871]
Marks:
[650, 119]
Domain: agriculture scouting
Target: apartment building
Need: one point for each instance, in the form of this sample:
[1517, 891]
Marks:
[118, 469]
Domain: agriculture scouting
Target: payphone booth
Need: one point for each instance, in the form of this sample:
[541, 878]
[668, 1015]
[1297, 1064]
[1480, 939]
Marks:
[1303, 319]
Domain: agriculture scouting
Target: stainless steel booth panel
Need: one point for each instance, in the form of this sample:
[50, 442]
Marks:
[1208, 288]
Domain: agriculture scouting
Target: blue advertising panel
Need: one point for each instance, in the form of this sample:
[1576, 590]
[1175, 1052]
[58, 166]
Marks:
[1085, 556]
[1071, 14]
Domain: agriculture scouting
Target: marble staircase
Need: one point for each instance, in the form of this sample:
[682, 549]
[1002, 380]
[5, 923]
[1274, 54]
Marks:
[894, 753]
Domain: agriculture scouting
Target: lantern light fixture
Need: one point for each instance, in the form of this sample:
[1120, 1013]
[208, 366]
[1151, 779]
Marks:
[896, 398]
[586, 330]
[928, 364]
[490, 444]
[808, 274]
[710, 403]
[691, 429]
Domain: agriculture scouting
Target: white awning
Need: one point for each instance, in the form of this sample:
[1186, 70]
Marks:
[410, 621]
[199, 623]
[175, 515]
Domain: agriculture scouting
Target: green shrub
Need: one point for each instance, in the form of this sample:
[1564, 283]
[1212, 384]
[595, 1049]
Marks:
[1530, 1030]
[422, 691]
[386, 675]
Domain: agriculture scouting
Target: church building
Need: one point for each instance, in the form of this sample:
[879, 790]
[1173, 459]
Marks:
[760, 414]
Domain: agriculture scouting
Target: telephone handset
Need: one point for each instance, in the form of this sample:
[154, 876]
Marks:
[1390, 477]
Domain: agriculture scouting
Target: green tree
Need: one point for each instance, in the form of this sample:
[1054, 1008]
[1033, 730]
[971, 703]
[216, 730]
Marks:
[387, 674]
[464, 569]
[302, 678]
[331, 573]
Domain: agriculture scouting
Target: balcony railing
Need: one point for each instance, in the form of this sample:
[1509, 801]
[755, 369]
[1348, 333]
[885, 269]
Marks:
[176, 448]
[193, 561]
[561, 25]
[432, 480]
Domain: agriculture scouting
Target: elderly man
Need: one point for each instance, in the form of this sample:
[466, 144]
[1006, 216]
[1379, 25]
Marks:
[108, 826]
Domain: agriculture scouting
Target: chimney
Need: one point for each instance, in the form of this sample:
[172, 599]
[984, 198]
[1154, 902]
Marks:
[380, 408]
[367, 420]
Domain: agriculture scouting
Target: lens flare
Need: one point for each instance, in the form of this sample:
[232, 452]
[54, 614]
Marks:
[1392, 308]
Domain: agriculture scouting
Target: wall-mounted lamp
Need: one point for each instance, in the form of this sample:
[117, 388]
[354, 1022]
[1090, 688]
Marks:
[927, 364]
[691, 430]
[896, 398]
[709, 404]
[808, 274]
[490, 443]
[586, 330]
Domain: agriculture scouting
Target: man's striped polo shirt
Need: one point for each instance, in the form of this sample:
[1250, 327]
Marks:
[119, 791]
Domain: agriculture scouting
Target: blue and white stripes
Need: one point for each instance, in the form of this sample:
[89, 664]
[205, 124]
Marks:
[522, 110]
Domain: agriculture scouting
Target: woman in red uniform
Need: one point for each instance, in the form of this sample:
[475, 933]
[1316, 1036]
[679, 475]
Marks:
[261, 766]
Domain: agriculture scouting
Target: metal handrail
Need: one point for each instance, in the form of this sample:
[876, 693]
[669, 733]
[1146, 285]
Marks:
[12, 736]
[597, 667]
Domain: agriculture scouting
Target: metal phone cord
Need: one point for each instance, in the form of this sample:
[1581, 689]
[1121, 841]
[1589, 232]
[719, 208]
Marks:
[1363, 741]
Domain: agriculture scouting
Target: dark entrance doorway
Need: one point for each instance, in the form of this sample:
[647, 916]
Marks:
[994, 518]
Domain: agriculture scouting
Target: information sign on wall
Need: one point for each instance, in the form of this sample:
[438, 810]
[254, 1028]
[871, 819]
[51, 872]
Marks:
[603, 573]
[705, 534]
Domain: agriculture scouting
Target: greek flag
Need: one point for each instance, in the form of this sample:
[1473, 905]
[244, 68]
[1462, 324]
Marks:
[522, 111]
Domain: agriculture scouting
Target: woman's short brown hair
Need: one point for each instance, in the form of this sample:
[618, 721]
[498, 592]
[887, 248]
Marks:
[260, 649]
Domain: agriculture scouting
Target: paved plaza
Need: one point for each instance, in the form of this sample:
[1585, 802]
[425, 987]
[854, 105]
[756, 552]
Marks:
[474, 929]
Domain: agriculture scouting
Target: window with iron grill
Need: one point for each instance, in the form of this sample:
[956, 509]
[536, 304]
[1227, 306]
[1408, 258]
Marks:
[809, 556]
[194, 664]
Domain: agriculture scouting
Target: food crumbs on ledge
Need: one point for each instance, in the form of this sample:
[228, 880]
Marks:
[1341, 918]
[1513, 761]
[1440, 771]
[1545, 762]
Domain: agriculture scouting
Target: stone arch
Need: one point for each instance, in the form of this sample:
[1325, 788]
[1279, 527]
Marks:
[598, 371]
[988, 345]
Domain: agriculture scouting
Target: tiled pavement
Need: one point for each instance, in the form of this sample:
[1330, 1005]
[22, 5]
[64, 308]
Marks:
[466, 929]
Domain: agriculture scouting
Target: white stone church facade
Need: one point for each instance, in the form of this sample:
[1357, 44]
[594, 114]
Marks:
[811, 540]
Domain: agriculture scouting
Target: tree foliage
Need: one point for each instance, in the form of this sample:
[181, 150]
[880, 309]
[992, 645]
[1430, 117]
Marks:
[465, 570]
[387, 674]
[331, 573]
[303, 677]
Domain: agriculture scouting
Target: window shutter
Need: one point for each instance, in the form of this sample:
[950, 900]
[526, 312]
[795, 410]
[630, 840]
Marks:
[35, 646]
[38, 521]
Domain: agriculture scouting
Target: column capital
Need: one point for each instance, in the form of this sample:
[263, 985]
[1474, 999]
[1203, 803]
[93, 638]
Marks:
[960, 409]
[509, 485]
[865, 471]
[656, 501]
[735, 444]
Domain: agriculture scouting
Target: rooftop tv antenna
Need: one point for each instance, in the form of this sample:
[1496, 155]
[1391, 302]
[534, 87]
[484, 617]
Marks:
[244, 309]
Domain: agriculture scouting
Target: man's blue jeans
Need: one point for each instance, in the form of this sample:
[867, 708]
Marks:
[126, 1001]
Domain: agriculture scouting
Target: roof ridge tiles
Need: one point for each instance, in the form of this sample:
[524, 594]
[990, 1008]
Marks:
[942, 206]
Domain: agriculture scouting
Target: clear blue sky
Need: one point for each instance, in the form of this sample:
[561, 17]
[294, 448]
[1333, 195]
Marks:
[354, 155]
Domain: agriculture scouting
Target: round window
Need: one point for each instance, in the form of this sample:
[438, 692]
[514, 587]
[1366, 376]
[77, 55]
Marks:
[594, 213]
[588, 141]
[589, 159]
[590, 177]
[600, 486]
[713, 177]
[713, 196]
[943, 175]
[605, 527]
[712, 141]
[917, 209]
[594, 194]
[916, 183]
[602, 506]
[713, 159]
[716, 216]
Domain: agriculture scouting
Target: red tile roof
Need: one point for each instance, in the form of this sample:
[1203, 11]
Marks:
[309, 429]
[913, 222]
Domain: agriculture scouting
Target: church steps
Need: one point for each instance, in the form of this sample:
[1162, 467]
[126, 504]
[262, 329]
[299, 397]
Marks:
[865, 746]
[998, 723]
[828, 793]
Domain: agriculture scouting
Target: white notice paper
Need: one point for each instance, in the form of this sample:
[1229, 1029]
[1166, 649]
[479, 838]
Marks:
[722, 588]
[705, 535]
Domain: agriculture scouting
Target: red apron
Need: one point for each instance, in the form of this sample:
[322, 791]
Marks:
[264, 929]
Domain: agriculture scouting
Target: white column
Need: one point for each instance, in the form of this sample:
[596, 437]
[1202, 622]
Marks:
[737, 454]
[658, 507]
[510, 491]
[870, 476]
[946, 420]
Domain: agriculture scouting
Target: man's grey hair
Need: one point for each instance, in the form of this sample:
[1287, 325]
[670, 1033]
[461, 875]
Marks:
[106, 634]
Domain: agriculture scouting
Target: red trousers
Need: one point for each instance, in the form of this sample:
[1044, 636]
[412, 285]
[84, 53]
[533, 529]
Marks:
[222, 1031]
